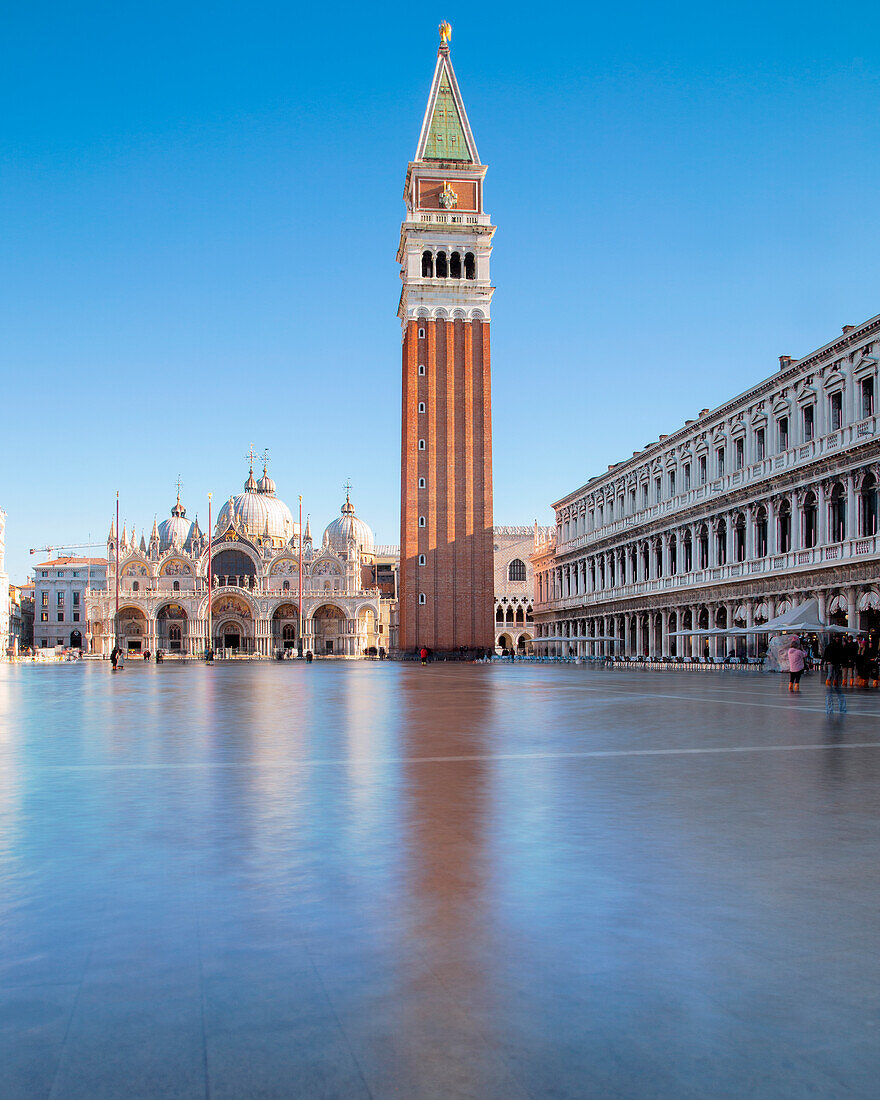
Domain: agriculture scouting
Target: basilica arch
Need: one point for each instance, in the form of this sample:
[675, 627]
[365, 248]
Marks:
[285, 626]
[328, 629]
[235, 565]
[233, 622]
[132, 630]
[172, 628]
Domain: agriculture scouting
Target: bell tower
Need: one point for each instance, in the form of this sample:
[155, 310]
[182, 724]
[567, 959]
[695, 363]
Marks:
[446, 550]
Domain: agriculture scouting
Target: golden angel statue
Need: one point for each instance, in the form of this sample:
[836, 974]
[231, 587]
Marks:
[445, 33]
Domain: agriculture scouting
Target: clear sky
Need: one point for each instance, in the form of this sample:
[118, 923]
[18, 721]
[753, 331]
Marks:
[200, 208]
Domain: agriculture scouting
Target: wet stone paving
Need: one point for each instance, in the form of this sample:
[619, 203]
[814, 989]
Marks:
[363, 879]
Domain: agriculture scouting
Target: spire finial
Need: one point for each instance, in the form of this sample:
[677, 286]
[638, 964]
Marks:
[265, 457]
[250, 456]
[178, 488]
[445, 33]
[347, 488]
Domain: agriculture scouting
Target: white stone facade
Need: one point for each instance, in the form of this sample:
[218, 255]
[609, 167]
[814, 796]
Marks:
[756, 506]
[515, 586]
[253, 593]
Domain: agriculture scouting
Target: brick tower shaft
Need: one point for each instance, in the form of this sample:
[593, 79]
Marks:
[446, 549]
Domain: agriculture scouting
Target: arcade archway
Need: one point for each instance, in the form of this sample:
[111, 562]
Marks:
[131, 630]
[233, 627]
[285, 623]
[171, 628]
[328, 630]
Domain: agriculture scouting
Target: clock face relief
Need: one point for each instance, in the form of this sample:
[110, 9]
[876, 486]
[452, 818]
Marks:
[448, 198]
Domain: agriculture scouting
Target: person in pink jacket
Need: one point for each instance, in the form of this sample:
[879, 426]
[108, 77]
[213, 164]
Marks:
[796, 657]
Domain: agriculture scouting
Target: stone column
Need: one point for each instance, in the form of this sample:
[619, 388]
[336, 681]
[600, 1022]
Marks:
[750, 622]
[750, 533]
[852, 507]
[772, 541]
[852, 608]
[664, 633]
[821, 514]
[796, 537]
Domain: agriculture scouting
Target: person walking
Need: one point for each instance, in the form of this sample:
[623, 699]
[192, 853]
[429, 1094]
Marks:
[423, 653]
[833, 658]
[114, 656]
[796, 660]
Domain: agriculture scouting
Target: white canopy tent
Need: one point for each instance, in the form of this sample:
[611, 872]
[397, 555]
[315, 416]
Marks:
[803, 619]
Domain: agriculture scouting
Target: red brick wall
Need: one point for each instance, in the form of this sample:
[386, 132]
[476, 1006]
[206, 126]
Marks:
[458, 577]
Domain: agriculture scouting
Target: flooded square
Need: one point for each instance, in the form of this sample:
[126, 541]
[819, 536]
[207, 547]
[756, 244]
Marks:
[372, 879]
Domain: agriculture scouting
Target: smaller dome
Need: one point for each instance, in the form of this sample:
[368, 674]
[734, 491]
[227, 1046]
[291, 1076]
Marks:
[348, 527]
[266, 484]
[176, 531]
[250, 486]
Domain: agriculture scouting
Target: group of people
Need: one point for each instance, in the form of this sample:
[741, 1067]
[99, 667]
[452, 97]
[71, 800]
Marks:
[846, 662]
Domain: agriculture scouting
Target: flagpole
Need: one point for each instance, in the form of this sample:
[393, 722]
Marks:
[301, 575]
[116, 619]
[210, 645]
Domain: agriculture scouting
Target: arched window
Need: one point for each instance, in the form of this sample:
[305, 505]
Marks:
[499, 615]
[721, 536]
[442, 270]
[509, 615]
[761, 532]
[739, 537]
[704, 547]
[285, 586]
[838, 513]
[868, 506]
[230, 567]
[135, 586]
[809, 520]
[470, 267]
[427, 265]
[784, 526]
[175, 586]
[455, 265]
[174, 633]
[516, 571]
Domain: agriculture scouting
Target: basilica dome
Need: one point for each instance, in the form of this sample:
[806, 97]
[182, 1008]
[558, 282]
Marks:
[257, 512]
[176, 531]
[347, 527]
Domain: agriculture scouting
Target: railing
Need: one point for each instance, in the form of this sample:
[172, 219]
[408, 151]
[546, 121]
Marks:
[790, 561]
[793, 457]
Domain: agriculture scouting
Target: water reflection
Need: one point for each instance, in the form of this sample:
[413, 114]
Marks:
[425, 860]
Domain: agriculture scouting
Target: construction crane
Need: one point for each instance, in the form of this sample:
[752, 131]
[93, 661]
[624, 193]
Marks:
[66, 546]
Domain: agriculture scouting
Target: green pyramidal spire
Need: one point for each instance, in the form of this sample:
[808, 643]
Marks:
[446, 140]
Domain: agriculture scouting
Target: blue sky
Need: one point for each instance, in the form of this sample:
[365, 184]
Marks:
[200, 206]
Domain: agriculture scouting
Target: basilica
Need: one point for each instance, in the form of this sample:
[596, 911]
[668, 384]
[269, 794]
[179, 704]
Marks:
[255, 586]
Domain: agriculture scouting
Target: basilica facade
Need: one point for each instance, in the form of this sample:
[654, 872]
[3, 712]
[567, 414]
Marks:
[239, 590]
